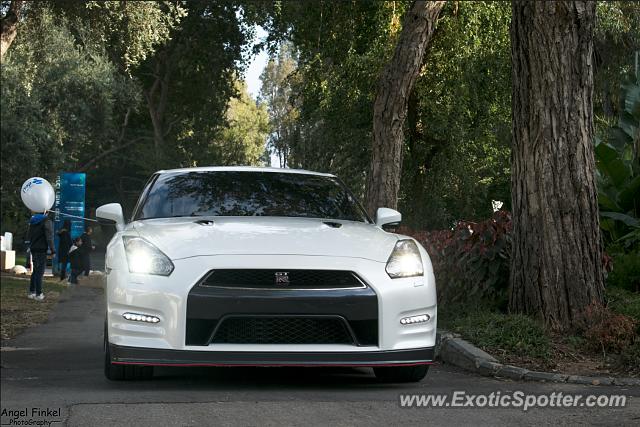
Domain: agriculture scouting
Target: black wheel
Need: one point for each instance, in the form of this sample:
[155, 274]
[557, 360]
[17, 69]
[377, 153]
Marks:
[401, 374]
[115, 372]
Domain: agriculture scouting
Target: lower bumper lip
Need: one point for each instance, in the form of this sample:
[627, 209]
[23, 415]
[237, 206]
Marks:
[191, 358]
[291, 365]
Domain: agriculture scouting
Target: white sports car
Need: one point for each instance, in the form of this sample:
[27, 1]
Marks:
[241, 266]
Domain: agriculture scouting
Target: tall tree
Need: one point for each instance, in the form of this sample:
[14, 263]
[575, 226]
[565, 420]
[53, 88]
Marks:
[62, 105]
[276, 93]
[556, 268]
[190, 78]
[390, 106]
[242, 141]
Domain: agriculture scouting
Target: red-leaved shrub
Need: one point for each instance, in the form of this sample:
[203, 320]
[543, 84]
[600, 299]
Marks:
[605, 330]
[470, 261]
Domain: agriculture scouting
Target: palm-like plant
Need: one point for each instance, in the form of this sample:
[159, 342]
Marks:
[618, 161]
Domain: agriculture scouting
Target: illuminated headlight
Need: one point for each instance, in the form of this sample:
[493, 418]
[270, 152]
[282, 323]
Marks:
[405, 260]
[144, 258]
[422, 318]
[136, 317]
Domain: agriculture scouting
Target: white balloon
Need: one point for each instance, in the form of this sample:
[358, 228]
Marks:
[37, 194]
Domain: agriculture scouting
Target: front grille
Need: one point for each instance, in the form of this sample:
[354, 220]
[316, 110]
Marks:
[282, 279]
[283, 330]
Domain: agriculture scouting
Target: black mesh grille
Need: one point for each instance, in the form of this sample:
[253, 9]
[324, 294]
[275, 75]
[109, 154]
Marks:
[286, 279]
[283, 330]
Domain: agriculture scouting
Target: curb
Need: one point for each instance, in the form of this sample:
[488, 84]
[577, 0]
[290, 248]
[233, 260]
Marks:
[452, 349]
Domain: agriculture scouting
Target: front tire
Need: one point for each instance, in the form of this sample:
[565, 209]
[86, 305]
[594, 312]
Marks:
[401, 374]
[115, 372]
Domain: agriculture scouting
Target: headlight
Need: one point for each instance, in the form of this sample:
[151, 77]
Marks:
[405, 260]
[144, 258]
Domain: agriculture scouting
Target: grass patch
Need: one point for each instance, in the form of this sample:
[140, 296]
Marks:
[18, 311]
[630, 357]
[21, 259]
[523, 341]
[624, 302]
[498, 333]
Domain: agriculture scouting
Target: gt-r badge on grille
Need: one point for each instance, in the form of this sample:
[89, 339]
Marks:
[282, 278]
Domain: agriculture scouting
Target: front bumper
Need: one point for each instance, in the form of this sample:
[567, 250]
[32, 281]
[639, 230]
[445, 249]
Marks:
[167, 298]
[156, 357]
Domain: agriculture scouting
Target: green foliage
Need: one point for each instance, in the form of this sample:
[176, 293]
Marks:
[275, 92]
[458, 137]
[630, 357]
[626, 271]
[623, 301]
[340, 48]
[60, 103]
[618, 164]
[148, 25]
[131, 30]
[458, 128]
[242, 142]
[123, 88]
[617, 35]
[120, 89]
[515, 334]
[189, 81]
[627, 303]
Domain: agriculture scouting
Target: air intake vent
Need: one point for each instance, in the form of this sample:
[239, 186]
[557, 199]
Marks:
[332, 224]
[204, 222]
[283, 330]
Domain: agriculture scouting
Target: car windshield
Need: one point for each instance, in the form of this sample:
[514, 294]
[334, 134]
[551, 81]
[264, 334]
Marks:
[238, 193]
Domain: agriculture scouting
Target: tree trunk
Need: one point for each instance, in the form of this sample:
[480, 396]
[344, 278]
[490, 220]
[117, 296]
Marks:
[390, 106]
[556, 267]
[156, 98]
[9, 27]
[158, 131]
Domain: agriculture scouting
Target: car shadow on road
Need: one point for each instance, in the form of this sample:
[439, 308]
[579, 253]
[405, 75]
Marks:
[276, 377]
[271, 378]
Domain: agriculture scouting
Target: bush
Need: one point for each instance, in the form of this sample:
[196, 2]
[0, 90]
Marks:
[630, 357]
[472, 260]
[625, 272]
[624, 302]
[618, 175]
[606, 330]
[516, 334]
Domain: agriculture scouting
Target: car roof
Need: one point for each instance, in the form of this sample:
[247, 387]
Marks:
[243, 169]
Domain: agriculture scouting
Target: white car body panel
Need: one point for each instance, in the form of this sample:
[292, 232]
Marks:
[182, 238]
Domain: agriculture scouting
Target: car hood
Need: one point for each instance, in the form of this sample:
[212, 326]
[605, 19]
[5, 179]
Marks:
[189, 237]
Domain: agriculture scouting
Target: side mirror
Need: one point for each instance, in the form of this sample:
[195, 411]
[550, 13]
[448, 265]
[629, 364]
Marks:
[112, 212]
[386, 216]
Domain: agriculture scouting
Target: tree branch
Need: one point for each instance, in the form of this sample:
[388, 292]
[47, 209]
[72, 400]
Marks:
[112, 150]
[173, 122]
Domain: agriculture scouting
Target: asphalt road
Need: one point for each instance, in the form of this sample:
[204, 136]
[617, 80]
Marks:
[58, 366]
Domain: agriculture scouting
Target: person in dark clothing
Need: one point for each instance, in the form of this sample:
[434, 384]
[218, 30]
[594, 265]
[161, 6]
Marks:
[40, 240]
[75, 258]
[64, 244]
[86, 249]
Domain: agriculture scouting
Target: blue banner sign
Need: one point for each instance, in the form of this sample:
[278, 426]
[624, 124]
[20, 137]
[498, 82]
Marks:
[70, 192]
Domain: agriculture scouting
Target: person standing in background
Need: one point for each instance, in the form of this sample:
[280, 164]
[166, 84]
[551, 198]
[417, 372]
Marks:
[75, 258]
[86, 249]
[64, 244]
[40, 240]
